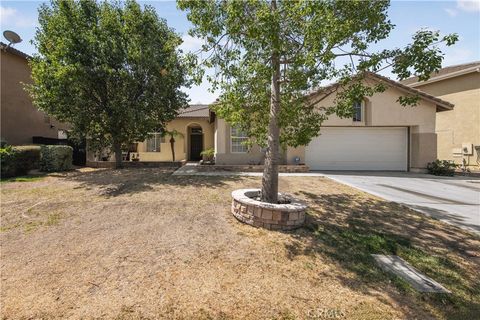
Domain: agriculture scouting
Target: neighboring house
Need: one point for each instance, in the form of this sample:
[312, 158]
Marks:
[458, 130]
[382, 135]
[20, 119]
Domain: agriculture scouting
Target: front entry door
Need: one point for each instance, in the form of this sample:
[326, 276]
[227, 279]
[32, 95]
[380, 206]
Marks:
[196, 146]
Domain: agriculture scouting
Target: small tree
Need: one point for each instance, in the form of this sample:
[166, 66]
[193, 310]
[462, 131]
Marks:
[269, 54]
[111, 70]
[172, 134]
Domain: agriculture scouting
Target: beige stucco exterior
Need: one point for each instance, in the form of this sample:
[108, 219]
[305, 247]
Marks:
[460, 126]
[182, 142]
[381, 110]
[20, 119]
[223, 151]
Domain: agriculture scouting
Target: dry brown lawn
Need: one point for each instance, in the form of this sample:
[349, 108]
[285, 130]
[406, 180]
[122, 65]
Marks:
[140, 243]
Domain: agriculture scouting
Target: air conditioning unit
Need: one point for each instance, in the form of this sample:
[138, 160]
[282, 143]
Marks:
[467, 149]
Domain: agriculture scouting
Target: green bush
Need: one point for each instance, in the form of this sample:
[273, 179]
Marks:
[27, 158]
[441, 168]
[208, 154]
[7, 161]
[18, 160]
[55, 158]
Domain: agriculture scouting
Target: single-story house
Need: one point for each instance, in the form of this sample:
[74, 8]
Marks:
[195, 126]
[382, 135]
[458, 130]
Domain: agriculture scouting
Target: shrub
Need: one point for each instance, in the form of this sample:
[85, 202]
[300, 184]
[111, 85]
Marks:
[27, 158]
[18, 160]
[7, 161]
[208, 154]
[441, 168]
[55, 158]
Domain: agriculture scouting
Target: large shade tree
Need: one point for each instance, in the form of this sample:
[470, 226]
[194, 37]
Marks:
[269, 54]
[112, 70]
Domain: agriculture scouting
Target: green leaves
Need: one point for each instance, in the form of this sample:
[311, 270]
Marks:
[319, 42]
[423, 56]
[112, 70]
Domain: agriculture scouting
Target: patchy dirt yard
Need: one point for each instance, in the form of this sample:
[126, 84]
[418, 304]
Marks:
[140, 243]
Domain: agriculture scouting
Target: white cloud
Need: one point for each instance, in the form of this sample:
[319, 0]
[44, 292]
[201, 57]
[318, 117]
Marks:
[469, 5]
[451, 12]
[457, 55]
[191, 44]
[7, 13]
[10, 17]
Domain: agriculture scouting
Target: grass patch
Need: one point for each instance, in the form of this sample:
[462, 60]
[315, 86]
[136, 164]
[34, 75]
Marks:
[30, 178]
[175, 237]
[352, 248]
[52, 219]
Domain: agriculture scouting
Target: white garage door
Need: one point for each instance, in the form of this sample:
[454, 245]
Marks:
[346, 148]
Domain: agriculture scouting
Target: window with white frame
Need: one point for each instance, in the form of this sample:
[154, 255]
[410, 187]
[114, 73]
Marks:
[357, 112]
[153, 142]
[237, 141]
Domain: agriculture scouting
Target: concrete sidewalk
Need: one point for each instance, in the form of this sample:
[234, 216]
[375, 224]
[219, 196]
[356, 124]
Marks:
[193, 170]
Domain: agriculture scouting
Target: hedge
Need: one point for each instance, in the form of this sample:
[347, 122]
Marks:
[55, 158]
[441, 168]
[28, 158]
[18, 160]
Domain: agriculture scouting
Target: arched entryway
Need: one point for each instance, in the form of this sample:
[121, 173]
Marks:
[195, 142]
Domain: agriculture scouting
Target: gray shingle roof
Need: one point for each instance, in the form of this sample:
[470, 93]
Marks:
[195, 111]
[444, 71]
[14, 51]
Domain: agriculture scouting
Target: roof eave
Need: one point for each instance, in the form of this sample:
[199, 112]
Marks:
[441, 105]
[12, 50]
[446, 76]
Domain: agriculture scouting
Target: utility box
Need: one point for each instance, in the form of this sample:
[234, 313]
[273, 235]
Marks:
[467, 148]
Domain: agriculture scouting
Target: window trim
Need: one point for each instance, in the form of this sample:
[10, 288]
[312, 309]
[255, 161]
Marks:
[362, 112]
[237, 137]
[161, 140]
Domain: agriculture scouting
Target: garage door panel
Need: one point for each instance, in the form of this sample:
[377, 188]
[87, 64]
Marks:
[347, 148]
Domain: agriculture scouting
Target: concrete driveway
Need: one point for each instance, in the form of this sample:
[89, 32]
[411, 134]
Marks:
[455, 200]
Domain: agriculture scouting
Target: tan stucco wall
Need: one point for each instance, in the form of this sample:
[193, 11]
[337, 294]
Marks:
[382, 109]
[223, 154]
[20, 120]
[181, 143]
[462, 124]
[379, 110]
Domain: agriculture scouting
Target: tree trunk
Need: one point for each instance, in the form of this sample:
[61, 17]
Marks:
[172, 145]
[117, 148]
[270, 171]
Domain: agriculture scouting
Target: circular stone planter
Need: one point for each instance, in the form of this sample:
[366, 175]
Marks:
[267, 215]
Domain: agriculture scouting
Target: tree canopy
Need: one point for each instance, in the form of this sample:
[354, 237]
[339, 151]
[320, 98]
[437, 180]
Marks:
[112, 70]
[269, 54]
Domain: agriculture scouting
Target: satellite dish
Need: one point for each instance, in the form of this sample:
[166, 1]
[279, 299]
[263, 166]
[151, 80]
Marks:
[12, 37]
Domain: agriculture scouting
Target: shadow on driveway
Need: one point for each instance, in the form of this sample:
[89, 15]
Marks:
[454, 200]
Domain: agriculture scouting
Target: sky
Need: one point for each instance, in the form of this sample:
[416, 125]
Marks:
[460, 16]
